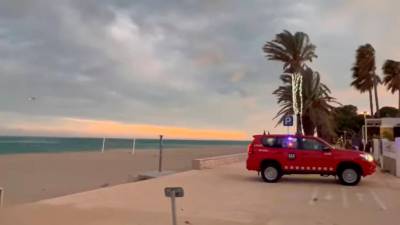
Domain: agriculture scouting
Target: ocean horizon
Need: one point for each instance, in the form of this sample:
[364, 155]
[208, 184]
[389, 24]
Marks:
[41, 144]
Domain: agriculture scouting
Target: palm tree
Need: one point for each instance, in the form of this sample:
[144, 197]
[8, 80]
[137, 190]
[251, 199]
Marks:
[317, 103]
[391, 69]
[294, 50]
[365, 78]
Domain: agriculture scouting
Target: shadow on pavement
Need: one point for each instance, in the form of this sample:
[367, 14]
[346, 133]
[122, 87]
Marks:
[309, 180]
[285, 179]
[373, 182]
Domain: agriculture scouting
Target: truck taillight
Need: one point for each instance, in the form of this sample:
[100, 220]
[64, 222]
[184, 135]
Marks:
[250, 149]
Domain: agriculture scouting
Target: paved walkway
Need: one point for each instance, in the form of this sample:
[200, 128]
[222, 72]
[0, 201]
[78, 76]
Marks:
[226, 195]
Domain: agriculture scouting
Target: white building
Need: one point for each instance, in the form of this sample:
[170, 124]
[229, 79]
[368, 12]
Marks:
[387, 150]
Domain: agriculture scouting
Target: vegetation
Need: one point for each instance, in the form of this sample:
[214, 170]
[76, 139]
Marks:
[364, 76]
[317, 101]
[293, 50]
[388, 111]
[347, 120]
[302, 92]
[391, 70]
[348, 123]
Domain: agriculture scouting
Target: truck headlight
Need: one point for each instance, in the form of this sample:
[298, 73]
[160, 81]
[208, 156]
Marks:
[367, 157]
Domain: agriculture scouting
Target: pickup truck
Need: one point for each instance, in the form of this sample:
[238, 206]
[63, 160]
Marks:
[276, 155]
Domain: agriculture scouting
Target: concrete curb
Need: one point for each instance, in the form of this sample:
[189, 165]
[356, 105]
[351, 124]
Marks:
[212, 162]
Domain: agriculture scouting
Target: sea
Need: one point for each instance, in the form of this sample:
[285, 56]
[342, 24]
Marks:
[20, 144]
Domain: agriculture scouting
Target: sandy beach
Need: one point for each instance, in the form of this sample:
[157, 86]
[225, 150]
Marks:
[32, 177]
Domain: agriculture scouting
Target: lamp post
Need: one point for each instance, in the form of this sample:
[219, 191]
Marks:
[160, 154]
[365, 131]
[1, 197]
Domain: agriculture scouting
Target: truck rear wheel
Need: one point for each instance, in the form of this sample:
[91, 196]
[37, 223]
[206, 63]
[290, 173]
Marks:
[349, 176]
[271, 173]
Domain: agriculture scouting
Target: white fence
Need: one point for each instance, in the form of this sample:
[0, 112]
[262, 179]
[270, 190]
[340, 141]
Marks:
[389, 157]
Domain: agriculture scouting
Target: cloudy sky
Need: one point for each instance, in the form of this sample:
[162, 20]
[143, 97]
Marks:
[187, 69]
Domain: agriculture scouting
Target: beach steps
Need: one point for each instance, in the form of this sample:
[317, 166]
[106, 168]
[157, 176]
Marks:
[199, 164]
[154, 174]
[216, 161]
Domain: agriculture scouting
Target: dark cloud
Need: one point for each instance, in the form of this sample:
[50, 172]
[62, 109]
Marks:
[187, 63]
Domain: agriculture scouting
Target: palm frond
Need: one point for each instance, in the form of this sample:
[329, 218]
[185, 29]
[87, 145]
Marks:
[391, 70]
[364, 76]
[317, 102]
[291, 49]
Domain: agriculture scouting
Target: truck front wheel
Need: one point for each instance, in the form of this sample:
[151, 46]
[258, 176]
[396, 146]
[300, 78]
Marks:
[349, 176]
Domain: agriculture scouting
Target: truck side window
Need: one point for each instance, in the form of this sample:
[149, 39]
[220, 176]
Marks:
[287, 142]
[268, 142]
[311, 144]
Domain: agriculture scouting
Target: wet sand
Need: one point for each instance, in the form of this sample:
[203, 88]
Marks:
[32, 177]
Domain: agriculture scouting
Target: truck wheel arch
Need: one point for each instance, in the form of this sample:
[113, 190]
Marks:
[347, 164]
[265, 162]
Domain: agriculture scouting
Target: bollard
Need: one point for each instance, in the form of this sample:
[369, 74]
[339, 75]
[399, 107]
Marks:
[1, 197]
[133, 146]
[173, 192]
[104, 142]
[160, 155]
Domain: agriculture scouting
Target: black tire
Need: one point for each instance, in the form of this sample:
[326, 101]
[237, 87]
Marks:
[271, 173]
[349, 175]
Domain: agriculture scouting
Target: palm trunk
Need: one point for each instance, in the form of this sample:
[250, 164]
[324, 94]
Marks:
[295, 102]
[376, 100]
[308, 125]
[371, 104]
[298, 124]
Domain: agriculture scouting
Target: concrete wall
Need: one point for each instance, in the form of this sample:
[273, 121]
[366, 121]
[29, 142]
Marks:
[391, 156]
[212, 162]
[390, 122]
[389, 165]
[377, 152]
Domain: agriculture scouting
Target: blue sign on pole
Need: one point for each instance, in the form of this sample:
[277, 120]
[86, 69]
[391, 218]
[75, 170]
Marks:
[288, 121]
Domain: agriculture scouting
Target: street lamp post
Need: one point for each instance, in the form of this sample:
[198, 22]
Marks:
[160, 156]
[365, 131]
[1, 197]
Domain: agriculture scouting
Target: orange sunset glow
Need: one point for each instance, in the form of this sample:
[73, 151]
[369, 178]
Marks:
[100, 128]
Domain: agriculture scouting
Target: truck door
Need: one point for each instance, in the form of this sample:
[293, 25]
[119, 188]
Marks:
[291, 157]
[313, 156]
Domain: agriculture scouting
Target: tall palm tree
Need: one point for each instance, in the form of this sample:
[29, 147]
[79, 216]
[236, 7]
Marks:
[317, 103]
[294, 50]
[391, 69]
[364, 76]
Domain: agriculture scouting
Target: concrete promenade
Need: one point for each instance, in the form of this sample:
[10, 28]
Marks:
[224, 195]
